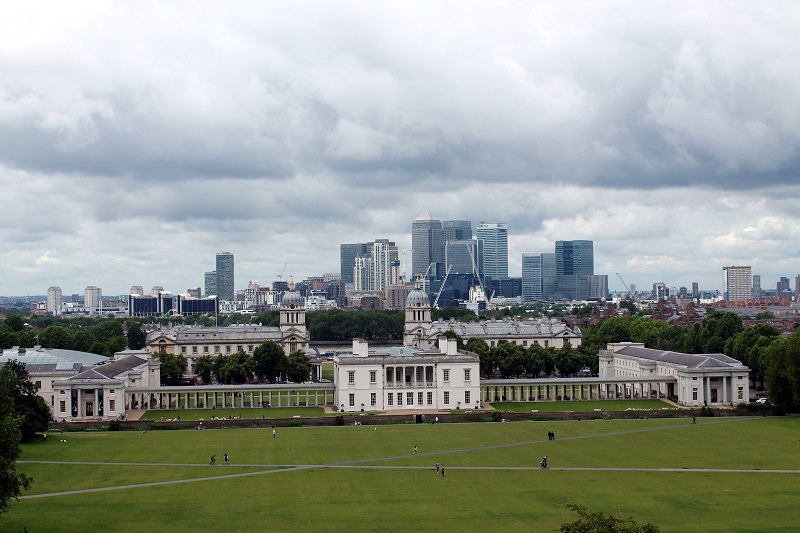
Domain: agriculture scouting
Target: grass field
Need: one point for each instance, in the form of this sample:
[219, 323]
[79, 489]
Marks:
[722, 474]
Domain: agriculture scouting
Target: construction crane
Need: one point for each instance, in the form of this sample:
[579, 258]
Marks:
[475, 271]
[630, 292]
[436, 302]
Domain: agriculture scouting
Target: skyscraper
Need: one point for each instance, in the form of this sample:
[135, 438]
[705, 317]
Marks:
[538, 276]
[93, 299]
[495, 249]
[347, 259]
[54, 299]
[210, 284]
[574, 265]
[737, 283]
[426, 246]
[225, 286]
[464, 257]
[384, 264]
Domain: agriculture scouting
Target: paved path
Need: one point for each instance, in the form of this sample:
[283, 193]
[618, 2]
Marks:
[358, 463]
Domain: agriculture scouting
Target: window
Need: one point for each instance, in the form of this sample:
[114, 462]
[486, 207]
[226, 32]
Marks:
[194, 349]
[249, 347]
[52, 400]
[216, 349]
[419, 373]
[466, 374]
[183, 349]
[112, 405]
[466, 397]
[446, 398]
[373, 399]
[227, 349]
[445, 375]
[409, 398]
[373, 376]
[351, 376]
[399, 398]
[524, 343]
[741, 393]
[694, 393]
[205, 349]
[38, 385]
[352, 400]
[62, 406]
[419, 398]
[546, 344]
[112, 391]
[390, 398]
[430, 398]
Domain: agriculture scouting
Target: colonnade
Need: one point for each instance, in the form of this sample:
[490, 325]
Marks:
[207, 397]
[525, 390]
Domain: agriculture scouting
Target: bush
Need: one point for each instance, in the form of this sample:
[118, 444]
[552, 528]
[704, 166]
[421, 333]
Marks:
[114, 425]
[339, 421]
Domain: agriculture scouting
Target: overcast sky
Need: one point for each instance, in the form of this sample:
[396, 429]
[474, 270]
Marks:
[138, 139]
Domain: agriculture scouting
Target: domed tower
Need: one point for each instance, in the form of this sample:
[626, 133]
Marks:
[293, 322]
[418, 317]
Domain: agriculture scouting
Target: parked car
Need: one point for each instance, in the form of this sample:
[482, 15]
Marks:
[761, 400]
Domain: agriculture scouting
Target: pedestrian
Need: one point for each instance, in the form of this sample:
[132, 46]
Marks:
[438, 466]
[226, 458]
[415, 449]
[437, 420]
[442, 470]
[543, 462]
[273, 432]
[44, 436]
[213, 460]
[694, 420]
[552, 435]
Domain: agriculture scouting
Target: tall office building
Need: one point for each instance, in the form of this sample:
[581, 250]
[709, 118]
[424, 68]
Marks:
[347, 259]
[695, 290]
[385, 264]
[598, 286]
[464, 257]
[210, 283]
[538, 276]
[783, 288]
[574, 265]
[93, 299]
[54, 299]
[426, 246]
[756, 285]
[225, 287]
[796, 285]
[495, 249]
[737, 283]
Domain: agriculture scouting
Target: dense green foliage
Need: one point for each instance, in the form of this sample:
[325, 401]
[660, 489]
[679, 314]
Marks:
[33, 411]
[339, 325]
[298, 366]
[172, 367]
[12, 483]
[597, 522]
[269, 361]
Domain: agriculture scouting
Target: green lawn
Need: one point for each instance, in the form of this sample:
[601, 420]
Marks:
[581, 406]
[379, 484]
[246, 413]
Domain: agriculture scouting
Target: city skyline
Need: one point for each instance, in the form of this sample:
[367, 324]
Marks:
[137, 141]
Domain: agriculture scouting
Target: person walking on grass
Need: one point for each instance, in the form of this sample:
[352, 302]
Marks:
[226, 458]
[213, 460]
[415, 449]
[543, 462]
[442, 470]
[438, 466]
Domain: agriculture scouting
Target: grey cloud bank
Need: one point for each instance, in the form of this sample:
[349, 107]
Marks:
[136, 141]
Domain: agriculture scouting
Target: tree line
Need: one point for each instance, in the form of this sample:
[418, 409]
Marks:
[268, 364]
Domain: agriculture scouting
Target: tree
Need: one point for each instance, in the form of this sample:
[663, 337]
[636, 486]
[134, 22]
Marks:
[33, 410]
[56, 337]
[235, 368]
[12, 483]
[783, 372]
[15, 323]
[204, 367]
[298, 366]
[600, 523]
[136, 337]
[172, 367]
[269, 361]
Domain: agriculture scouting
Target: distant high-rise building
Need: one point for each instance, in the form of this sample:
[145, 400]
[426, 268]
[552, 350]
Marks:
[54, 299]
[156, 290]
[464, 256]
[737, 283]
[756, 285]
[210, 282]
[137, 290]
[598, 286]
[426, 246]
[783, 287]
[195, 292]
[660, 291]
[695, 290]
[574, 265]
[347, 258]
[495, 249]
[225, 284]
[796, 285]
[538, 276]
[93, 299]
[456, 230]
[386, 266]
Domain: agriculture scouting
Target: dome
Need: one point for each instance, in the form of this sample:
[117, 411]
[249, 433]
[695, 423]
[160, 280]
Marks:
[417, 298]
[292, 298]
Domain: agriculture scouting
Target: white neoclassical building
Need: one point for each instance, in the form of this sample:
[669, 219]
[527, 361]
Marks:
[699, 379]
[421, 331]
[194, 342]
[404, 378]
